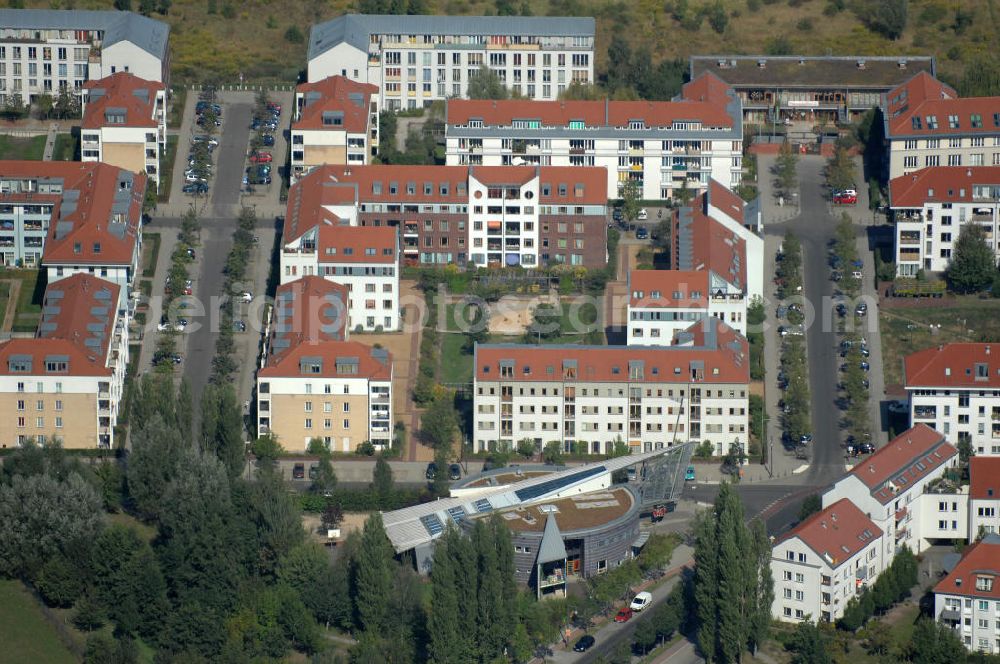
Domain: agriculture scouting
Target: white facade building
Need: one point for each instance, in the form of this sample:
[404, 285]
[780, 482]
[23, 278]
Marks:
[595, 396]
[125, 123]
[664, 302]
[968, 599]
[663, 146]
[43, 51]
[823, 562]
[319, 240]
[984, 496]
[955, 389]
[896, 487]
[415, 60]
[930, 208]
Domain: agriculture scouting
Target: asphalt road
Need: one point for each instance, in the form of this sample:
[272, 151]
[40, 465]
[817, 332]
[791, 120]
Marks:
[231, 155]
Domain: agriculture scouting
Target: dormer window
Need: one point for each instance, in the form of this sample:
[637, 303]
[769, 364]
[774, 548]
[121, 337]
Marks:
[77, 247]
[984, 583]
[932, 122]
[953, 122]
[97, 247]
[636, 124]
[916, 122]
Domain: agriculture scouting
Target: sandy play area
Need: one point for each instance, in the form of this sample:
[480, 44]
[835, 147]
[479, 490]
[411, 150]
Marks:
[512, 314]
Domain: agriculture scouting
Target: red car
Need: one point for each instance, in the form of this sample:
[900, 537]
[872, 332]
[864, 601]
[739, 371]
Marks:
[261, 158]
[845, 198]
[624, 615]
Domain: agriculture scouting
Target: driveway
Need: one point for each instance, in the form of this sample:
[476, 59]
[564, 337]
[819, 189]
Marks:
[230, 157]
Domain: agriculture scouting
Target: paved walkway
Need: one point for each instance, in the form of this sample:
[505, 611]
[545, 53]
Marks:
[50, 141]
[12, 297]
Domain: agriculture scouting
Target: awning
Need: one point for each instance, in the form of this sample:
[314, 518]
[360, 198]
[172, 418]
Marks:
[641, 540]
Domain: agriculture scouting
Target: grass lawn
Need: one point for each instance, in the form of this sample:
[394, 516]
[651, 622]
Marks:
[905, 331]
[24, 632]
[22, 148]
[4, 296]
[177, 101]
[65, 148]
[29, 302]
[150, 254]
[167, 169]
[456, 365]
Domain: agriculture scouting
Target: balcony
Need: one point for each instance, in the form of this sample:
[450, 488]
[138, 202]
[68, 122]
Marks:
[982, 216]
[636, 152]
[924, 412]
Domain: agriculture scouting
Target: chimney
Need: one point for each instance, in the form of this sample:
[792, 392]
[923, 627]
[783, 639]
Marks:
[968, 173]
[987, 349]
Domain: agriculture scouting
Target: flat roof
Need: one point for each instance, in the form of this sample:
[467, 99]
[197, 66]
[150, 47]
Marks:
[808, 71]
[503, 479]
[580, 512]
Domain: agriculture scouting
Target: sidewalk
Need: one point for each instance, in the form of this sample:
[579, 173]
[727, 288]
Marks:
[682, 558]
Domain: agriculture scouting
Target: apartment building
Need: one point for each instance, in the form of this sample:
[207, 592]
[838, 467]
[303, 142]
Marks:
[313, 382]
[320, 240]
[647, 397]
[336, 122]
[663, 146]
[955, 389]
[716, 232]
[826, 88]
[67, 382]
[480, 216]
[928, 124]
[824, 561]
[899, 487]
[968, 599]
[930, 208]
[124, 123]
[72, 217]
[984, 496]
[43, 51]
[415, 60]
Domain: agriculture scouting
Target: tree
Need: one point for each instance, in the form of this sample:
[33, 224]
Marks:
[373, 577]
[840, 171]
[273, 521]
[761, 585]
[973, 264]
[44, 104]
[59, 582]
[619, 63]
[787, 180]
[506, 8]
[123, 5]
[809, 643]
[526, 448]
[440, 484]
[486, 84]
[439, 424]
[810, 505]
[981, 77]
[631, 199]
[332, 515]
[293, 35]
[15, 108]
[887, 17]
[267, 449]
[546, 323]
[965, 450]
[66, 105]
[934, 643]
[478, 330]
[382, 482]
[444, 616]
[645, 636]
[718, 18]
[552, 454]
[41, 516]
[222, 427]
[152, 463]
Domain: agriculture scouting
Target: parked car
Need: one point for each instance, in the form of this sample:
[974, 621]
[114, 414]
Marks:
[432, 470]
[210, 141]
[298, 471]
[455, 471]
[313, 470]
[689, 474]
[865, 366]
[805, 439]
[641, 601]
[193, 178]
[239, 326]
[260, 157]
[267, 140]
[643, 215]
[857, 274]
[861, 309]
[624, 615]
[641, 234]
[782, 311]
[246, 296]
[195, 188]
[844, 198]
[617, 214]
[585, 643]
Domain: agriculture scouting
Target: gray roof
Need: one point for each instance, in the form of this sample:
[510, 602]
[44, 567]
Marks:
[552, 547]
[146, 33]
[356, 29]
[805, 71]
[410, 527]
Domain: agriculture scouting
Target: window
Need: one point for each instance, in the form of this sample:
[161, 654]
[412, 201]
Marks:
[347, 424]
[788, 593]
[787, 575]
[984, 583]
[799, 595]
[309, 423]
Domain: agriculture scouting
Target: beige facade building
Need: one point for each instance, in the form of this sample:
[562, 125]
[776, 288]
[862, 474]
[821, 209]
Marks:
[336, 122]
[67, 382]
[313, 383]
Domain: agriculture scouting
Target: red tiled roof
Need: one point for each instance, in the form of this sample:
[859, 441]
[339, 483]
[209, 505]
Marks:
[837, 533]
[357, 244]
[307, 311]
[721, 354]
[77, 323]
[593, 179]
[903, 461]
[984, 478]
[702, 100]
[676, 289]
[372, 363]
[335, 95]
[945, 184]
[81, 231]
[924, 96]
[701, 242]
[719, 196]
[953, 365]
[134, 95]
[980, 559]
